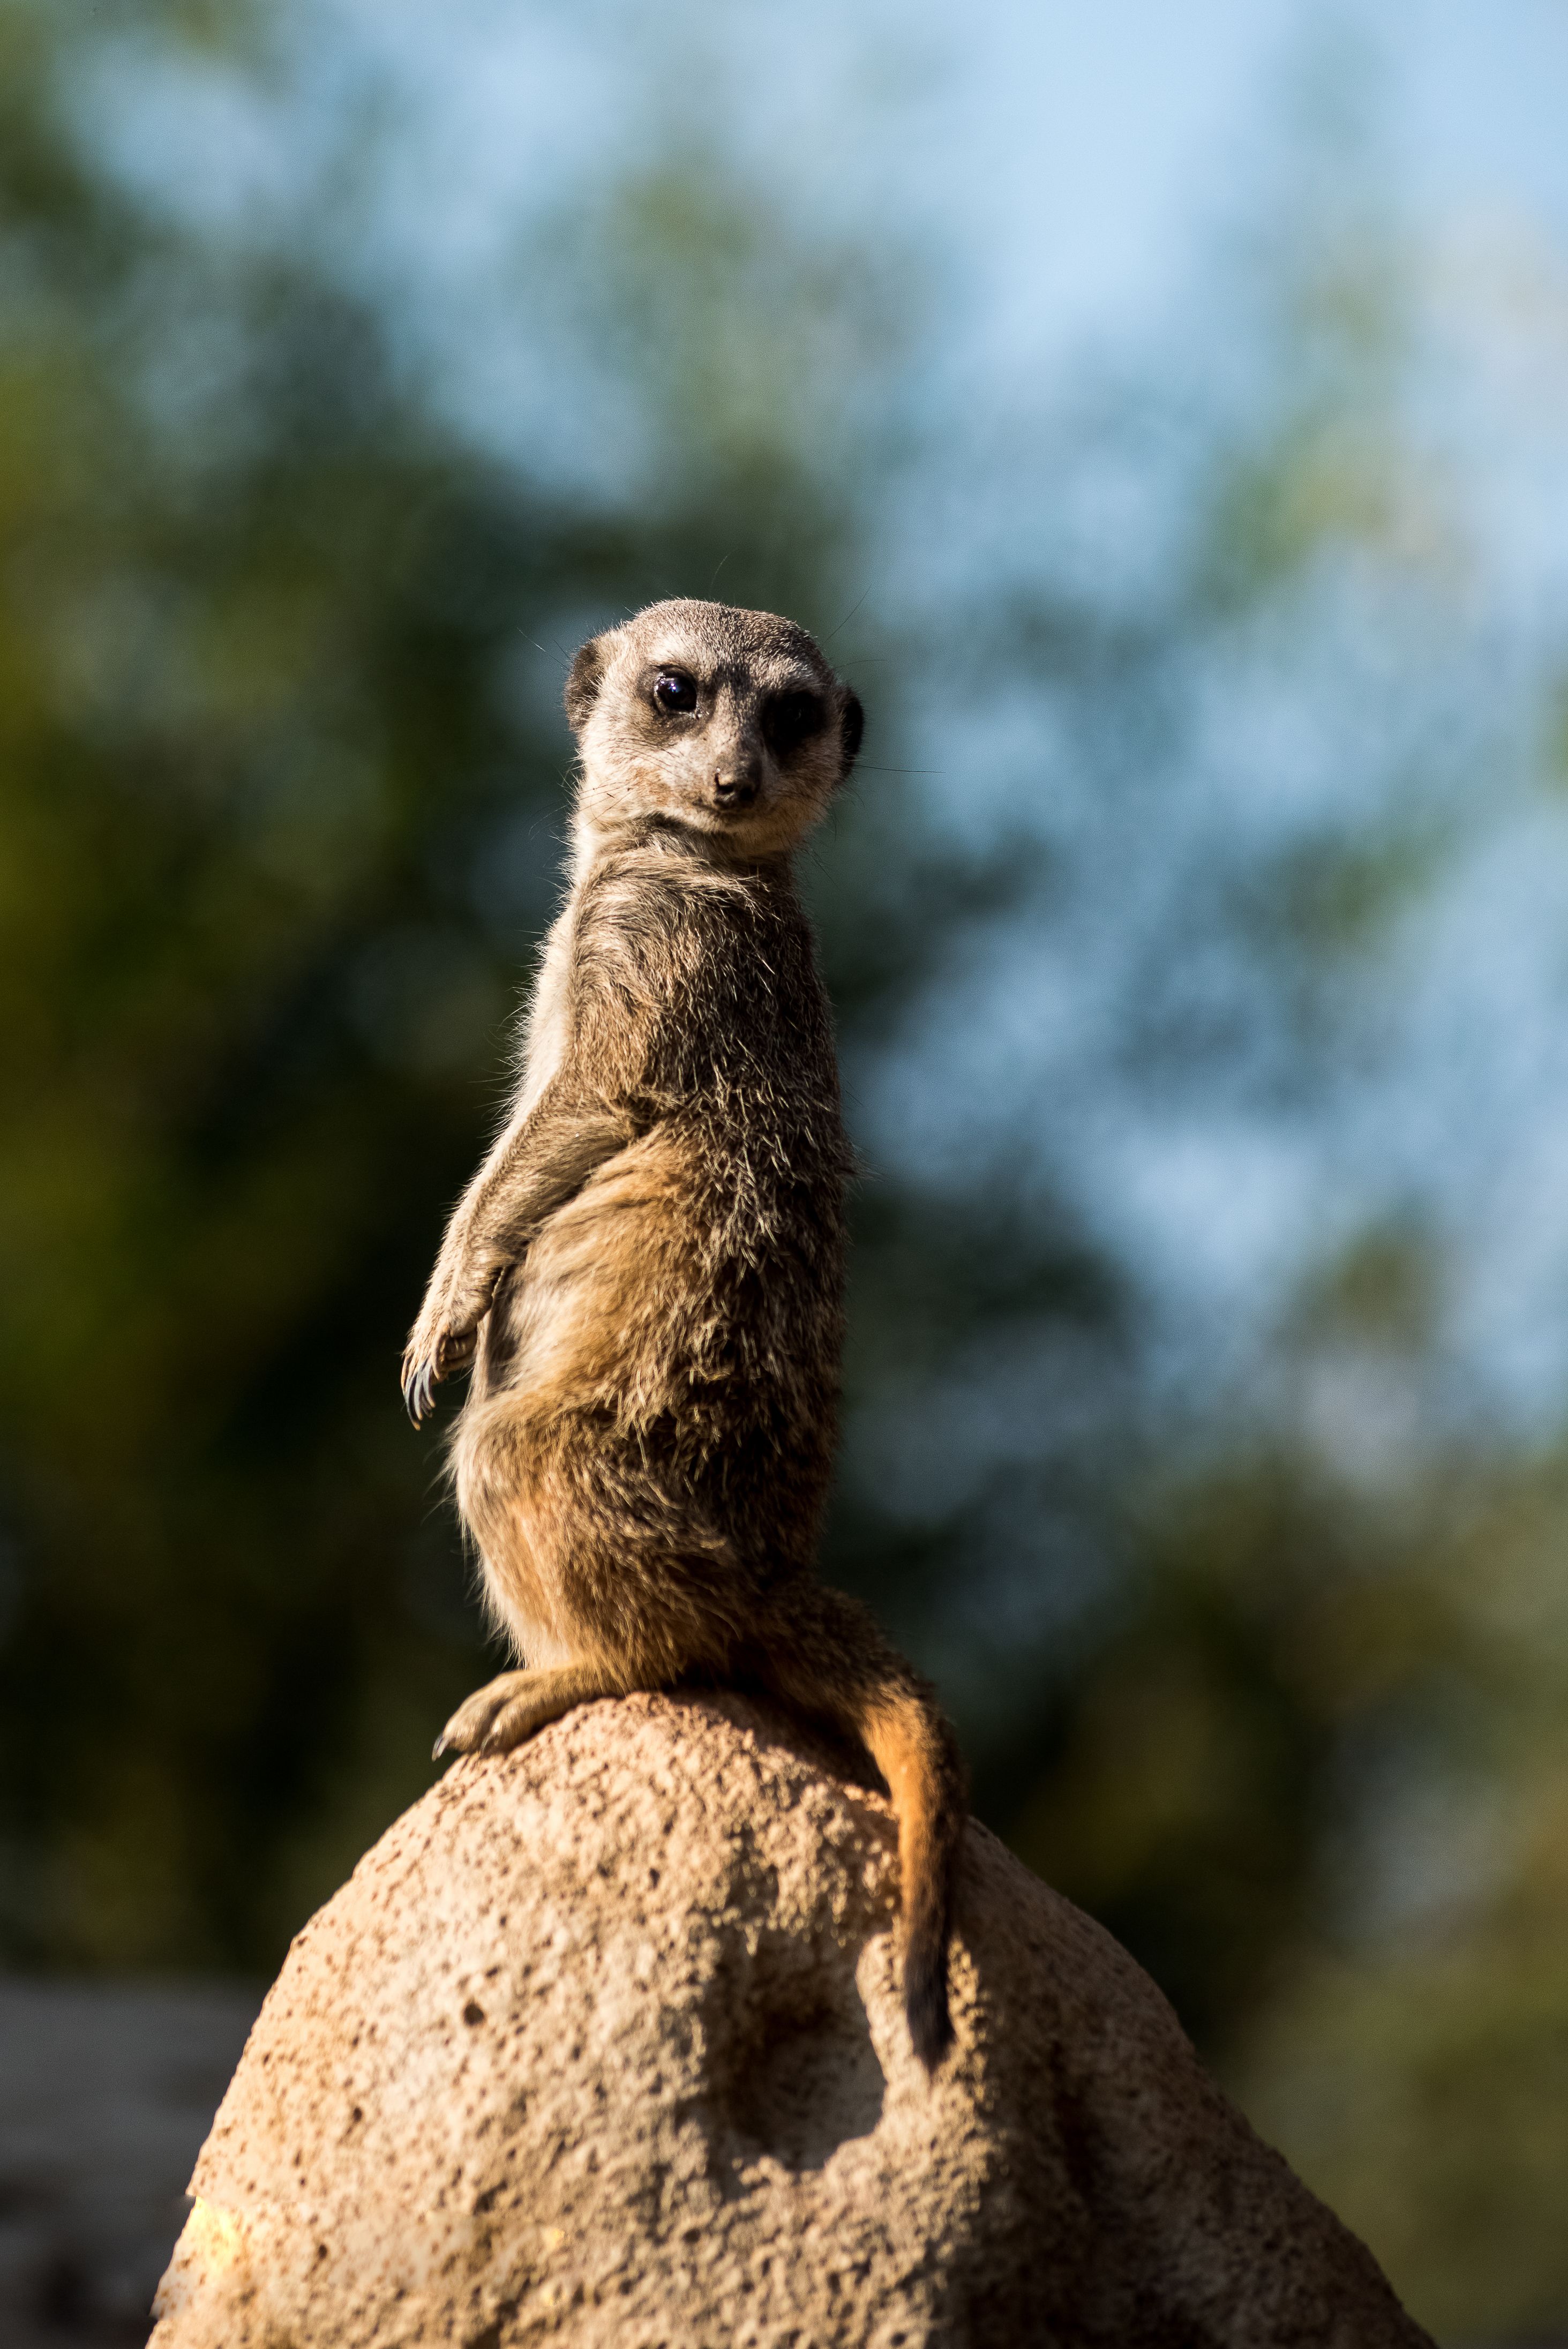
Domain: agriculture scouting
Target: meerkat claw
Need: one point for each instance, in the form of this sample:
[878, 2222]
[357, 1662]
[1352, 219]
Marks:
[449, 1353]
[469, 1729]
[419, 1391]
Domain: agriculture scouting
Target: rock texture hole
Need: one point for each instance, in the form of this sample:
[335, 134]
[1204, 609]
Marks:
[807, 2081]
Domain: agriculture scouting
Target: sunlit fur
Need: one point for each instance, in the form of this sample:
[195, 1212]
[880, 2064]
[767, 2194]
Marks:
[646, 1272]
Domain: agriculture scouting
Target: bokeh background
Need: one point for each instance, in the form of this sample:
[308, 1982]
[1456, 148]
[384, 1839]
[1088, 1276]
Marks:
[1162, 414]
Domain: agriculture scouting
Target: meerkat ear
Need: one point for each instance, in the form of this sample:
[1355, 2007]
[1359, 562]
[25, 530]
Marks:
[851, 727]
[582, 683]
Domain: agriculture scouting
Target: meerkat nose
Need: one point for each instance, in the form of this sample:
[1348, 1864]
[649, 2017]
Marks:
[732, 789]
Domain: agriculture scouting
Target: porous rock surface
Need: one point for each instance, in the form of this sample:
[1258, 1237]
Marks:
[603, 2043]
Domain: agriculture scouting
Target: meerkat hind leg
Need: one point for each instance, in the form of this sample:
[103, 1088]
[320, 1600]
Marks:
[511, 1707]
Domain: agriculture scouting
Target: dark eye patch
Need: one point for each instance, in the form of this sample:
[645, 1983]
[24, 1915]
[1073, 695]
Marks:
[790, 719]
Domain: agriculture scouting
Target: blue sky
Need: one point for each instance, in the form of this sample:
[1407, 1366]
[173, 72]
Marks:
[1073, 160]
[1076, 154]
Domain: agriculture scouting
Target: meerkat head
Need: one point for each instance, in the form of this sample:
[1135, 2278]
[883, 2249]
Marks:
[729, 724]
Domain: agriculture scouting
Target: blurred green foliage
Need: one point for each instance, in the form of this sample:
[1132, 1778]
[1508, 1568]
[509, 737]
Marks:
[1417, 2073]
[281, 790]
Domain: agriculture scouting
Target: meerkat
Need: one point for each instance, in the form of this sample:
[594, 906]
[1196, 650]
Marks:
[646, 1272]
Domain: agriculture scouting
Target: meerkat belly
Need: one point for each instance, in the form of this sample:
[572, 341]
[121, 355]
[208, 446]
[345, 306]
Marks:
[644, 1283]
[586, 1309]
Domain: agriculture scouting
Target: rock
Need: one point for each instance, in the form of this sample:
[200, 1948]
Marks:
[603, 2043]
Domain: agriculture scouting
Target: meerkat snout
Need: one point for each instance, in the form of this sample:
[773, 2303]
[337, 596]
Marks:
[739, 758]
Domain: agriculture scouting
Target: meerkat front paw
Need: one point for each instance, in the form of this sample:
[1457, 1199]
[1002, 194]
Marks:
[462, 1289]
[511, 1707]
[432, 1353]
[467, 1730]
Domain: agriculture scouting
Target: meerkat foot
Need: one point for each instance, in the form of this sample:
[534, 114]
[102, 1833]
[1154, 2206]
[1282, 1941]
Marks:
[511, 1707]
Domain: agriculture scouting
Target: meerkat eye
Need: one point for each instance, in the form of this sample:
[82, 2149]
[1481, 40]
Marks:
[674, 691]
[789, 719]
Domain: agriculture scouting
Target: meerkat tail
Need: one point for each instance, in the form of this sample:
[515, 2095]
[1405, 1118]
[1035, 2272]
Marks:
[914, 1749]
[833, 1661]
